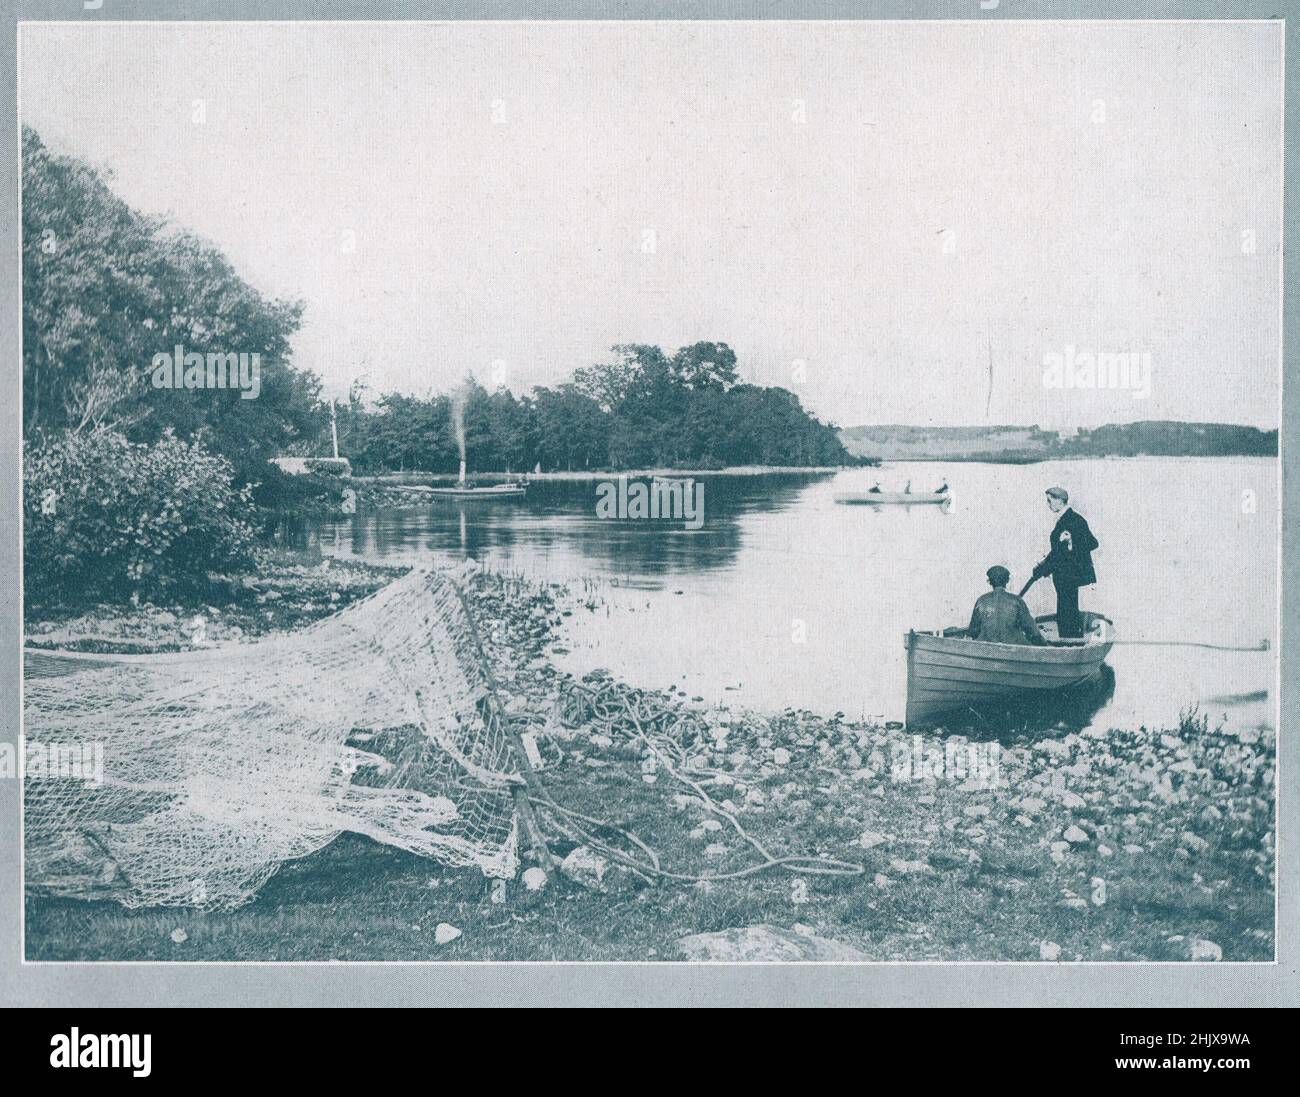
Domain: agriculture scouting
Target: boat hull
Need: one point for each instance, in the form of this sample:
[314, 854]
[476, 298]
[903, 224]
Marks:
[950, 673]
[879, 498]
[502, 491]
[478, 493]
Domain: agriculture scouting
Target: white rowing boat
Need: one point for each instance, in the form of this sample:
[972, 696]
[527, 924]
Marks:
[948, 672]
[854, 498]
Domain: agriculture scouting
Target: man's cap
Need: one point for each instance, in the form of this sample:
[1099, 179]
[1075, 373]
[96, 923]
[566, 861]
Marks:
[998, 575]
[1060, 493]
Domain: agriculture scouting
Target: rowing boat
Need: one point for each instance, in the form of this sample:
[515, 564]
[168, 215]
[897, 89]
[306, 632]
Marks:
[853, 498]
[493, 491]
[948, 672]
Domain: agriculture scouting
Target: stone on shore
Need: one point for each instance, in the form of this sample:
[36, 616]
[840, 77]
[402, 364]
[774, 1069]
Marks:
[1202, 950]
[585, 866]
[764, 944]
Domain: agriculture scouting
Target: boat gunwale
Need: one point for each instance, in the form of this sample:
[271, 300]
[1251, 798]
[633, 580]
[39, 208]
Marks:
[1028, 654]
[1090, 644]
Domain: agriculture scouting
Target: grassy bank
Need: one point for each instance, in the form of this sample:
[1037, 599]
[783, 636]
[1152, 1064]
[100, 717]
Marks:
[1117, 845]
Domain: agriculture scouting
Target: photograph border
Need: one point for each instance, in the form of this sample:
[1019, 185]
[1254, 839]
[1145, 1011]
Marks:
[627, 983]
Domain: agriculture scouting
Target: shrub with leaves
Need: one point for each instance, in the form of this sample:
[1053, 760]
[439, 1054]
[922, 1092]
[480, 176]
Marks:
[106, 518]
[278, 493]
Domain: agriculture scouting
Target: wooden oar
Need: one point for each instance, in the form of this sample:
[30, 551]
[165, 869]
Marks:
[1083, 641]
[1263, 645]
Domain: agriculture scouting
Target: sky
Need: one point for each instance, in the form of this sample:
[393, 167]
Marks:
[901, 222]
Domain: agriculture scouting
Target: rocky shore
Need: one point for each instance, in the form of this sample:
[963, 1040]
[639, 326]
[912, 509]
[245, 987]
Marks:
[1068, 830]
[284, 594]
[1133, 844]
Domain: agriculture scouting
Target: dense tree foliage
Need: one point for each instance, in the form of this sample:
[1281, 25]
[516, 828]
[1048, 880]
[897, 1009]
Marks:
[645, 408]
[106, 288]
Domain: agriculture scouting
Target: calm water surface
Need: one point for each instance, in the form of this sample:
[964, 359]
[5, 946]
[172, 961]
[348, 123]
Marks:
[785, 598]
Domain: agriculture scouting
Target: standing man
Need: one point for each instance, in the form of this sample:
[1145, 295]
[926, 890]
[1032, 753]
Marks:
[1068, 562]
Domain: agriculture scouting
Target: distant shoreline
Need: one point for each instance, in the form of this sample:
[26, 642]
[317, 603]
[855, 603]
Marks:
[1013, 459]
[607, 474]
[587, 475]
[1008, 444]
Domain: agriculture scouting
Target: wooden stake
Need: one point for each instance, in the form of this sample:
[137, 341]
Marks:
[519, 793]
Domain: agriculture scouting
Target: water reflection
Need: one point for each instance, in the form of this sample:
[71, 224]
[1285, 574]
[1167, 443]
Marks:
[785, 598]
[1015, 719]
[550, 521]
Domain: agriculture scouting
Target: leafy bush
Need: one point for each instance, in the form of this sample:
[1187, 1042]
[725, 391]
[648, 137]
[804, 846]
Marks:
[279, 492]
[328, 466]
[106, 518]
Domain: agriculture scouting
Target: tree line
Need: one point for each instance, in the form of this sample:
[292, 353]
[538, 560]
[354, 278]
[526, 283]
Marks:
[644, 408]
[105, 289]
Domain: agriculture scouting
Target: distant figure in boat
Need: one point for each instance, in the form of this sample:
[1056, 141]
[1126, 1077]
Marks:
[875, 489]
[1068, 562]
[1001, 617]
[908, 489]
[941, 490]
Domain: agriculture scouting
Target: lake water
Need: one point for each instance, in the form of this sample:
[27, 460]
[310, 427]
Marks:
[784, 598]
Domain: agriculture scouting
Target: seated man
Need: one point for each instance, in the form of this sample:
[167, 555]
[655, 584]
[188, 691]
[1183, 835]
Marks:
[1001, 617]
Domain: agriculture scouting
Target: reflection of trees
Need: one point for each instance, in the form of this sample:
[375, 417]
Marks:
[661, 547]
[561, 515]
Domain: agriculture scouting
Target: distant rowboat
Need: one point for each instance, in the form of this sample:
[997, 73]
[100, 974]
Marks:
[950, 672]
[854, 498]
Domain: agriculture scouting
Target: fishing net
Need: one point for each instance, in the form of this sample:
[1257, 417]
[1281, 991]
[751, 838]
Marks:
[218, 765]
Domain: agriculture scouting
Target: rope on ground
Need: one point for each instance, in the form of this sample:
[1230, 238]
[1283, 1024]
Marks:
[662, 740]
[622, 713]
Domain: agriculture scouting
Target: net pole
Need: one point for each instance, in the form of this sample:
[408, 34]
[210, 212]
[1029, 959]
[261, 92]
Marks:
[532, 785]
[520, 795]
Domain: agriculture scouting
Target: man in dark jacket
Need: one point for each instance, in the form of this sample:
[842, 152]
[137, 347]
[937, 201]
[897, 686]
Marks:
[1001, 617]
[1069, 562]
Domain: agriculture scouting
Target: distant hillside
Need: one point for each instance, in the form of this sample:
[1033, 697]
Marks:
[1024, 444]
[900, 443]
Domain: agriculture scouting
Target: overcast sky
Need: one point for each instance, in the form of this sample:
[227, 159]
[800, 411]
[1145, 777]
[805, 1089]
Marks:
[892, 204]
